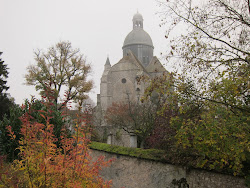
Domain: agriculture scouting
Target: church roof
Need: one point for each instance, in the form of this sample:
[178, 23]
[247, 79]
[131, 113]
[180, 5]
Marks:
[155, 66]
[129, 62]
[137, 62]
[138, 36]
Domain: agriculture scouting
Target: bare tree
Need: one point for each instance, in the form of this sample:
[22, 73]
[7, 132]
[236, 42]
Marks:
[214, 49]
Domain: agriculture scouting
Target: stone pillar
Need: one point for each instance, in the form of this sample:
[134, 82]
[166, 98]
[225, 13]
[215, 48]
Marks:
[133, 141]
[110, 139]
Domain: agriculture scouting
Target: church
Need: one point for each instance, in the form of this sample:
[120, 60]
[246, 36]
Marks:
[119, 83]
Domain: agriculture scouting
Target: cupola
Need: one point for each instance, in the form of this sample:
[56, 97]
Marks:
[139, 42]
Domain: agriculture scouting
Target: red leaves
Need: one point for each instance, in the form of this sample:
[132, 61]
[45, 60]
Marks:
[118, 112]
[44, 164]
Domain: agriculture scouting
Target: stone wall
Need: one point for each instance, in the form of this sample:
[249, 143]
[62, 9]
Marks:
[129, 172]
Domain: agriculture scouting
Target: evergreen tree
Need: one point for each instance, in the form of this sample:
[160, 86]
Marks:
[5, 102]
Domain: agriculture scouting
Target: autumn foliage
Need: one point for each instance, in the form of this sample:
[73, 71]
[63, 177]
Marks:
[42, 164]
[135, 118]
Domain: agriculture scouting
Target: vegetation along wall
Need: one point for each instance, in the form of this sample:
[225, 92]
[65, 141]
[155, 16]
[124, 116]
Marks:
[138, 171]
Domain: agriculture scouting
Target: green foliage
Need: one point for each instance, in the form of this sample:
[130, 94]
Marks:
[3, 75]
[9, 146]
[216, 133]
[5, 101]
[221, 137]
[118, 134]
[33, 108]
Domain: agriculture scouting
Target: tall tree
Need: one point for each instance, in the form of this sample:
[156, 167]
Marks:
[214, 46]
[213, 88]
[3, 75]
[60, 69]
[5, 101]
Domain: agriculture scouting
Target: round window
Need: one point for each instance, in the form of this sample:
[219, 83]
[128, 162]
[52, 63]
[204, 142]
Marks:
[124, 80]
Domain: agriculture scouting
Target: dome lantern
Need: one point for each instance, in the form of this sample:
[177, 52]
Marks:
[137, 21]
[139, 42]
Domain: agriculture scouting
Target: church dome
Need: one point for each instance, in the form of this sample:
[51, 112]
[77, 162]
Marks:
[139, 42]
[138, 36]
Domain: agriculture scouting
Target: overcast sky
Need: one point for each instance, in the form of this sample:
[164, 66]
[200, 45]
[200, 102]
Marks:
[97, 28]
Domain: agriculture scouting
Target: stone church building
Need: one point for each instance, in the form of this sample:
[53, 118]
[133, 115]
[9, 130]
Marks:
[119, 82]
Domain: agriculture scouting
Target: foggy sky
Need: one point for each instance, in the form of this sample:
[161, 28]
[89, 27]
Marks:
[97, 28]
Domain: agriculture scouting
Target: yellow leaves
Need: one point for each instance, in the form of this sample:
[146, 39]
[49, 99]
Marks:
[181, 109]
[60, 66]
[23, 168]
[11, 133]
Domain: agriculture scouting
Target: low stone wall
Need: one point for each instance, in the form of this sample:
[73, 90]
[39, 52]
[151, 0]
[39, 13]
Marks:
[130, 172]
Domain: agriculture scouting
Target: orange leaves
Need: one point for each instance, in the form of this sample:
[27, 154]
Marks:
[43, 164]
[11, 133]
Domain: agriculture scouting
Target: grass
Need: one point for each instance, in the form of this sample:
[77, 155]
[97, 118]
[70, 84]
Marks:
[152, 154]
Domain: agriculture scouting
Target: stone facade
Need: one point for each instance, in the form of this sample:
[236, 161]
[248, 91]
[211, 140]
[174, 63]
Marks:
[130, 172]
[119, 83]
